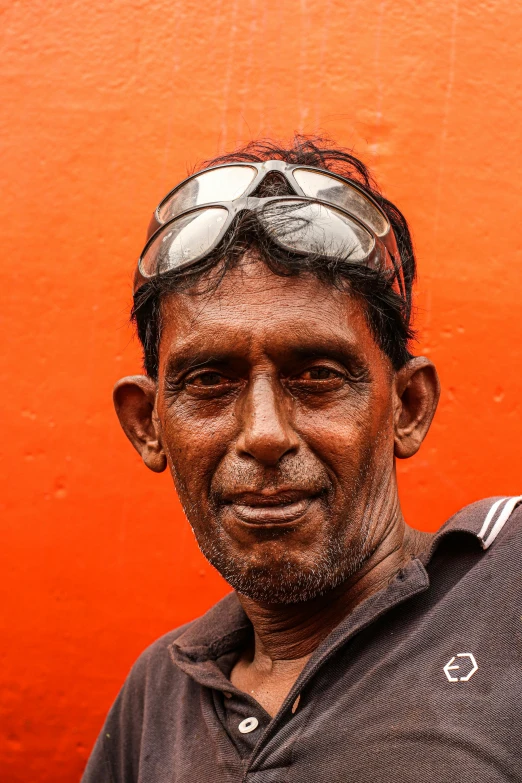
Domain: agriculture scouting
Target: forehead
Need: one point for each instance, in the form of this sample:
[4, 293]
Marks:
[253, 310]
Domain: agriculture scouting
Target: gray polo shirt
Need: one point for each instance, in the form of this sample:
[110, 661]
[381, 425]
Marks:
[422, 682]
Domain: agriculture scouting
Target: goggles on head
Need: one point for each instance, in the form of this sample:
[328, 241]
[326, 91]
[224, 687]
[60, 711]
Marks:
[328, 216]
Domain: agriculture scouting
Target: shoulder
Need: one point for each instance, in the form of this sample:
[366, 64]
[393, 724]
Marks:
[491, 520]
[502, 526]
[116, 754]
[156, 651]
[152, 679]
[155, 661]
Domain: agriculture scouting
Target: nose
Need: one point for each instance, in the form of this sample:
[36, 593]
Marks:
[266, 431]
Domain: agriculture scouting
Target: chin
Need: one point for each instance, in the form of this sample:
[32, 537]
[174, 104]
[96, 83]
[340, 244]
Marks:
[284, 580]
[293, 589]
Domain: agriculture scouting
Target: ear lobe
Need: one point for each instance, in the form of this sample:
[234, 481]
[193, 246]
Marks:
[417, 394]
[134, 398]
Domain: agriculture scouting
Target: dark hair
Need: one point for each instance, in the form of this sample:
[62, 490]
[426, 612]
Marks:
[387, 312]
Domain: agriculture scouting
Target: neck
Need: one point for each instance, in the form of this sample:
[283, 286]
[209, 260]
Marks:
[292, 632]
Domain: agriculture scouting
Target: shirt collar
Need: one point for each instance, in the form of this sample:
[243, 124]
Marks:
[225, 628]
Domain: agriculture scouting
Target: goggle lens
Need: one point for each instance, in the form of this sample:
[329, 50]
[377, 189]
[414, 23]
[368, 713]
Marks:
[326, 188]
[304, 228]
[221, 184]
[188, 238]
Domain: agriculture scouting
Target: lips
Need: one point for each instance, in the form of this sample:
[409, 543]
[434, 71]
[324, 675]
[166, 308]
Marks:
[275, 508]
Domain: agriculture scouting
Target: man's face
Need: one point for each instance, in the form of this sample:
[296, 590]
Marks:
[276, 414]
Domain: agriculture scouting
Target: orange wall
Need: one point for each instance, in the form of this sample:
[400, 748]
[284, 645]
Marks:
[105, 104]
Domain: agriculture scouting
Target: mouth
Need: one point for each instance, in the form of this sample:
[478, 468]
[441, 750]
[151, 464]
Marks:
[277, 508]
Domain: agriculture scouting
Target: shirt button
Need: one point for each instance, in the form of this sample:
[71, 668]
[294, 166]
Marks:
[248, 725]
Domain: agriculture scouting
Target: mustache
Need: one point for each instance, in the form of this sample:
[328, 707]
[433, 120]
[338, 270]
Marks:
[292, 475]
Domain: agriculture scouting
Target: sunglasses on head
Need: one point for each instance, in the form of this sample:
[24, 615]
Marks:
[327, 216]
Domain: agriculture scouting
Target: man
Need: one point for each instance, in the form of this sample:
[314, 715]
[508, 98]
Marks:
[279, 391]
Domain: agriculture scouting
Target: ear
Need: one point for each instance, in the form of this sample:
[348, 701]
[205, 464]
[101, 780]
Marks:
[417, 390]
[134, 399]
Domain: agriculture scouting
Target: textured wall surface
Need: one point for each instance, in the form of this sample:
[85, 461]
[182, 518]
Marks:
[104, 107]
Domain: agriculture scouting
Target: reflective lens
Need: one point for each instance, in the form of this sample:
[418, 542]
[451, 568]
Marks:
[183, 241]
[222, 184]
[314, 228]
[326, 188]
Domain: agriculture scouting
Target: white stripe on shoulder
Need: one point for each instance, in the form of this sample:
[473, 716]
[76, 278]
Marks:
[491, 513]
[487, 538]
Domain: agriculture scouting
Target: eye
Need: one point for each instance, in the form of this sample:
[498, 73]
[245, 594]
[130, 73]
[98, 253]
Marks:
[207, 379]
[320, 374]
[210, 384]
[319, 378]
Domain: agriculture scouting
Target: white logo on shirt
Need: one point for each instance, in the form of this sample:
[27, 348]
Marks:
[452, 666]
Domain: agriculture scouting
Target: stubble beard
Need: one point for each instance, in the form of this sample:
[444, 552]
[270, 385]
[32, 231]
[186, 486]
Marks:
[286, 579]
